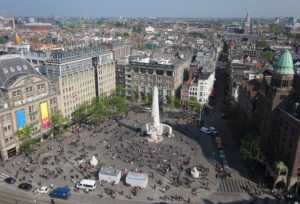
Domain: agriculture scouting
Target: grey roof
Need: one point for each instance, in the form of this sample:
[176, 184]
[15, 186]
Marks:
[13, 67]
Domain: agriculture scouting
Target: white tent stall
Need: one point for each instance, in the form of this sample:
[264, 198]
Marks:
[110, 175]
[137, 179]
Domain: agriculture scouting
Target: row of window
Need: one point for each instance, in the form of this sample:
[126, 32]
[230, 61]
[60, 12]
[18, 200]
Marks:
[12, 69]
[40, 88]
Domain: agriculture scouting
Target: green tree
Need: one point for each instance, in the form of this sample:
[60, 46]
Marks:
[120, 91]
[118, 102]
[176, 102]
[198, 35]
[81, 112]
[148, 99]
[138, 28]
[1, 40]
[269, 55]
[58, 122]
[193, 103]
[24, 132]
[135, 96]
[99, 110]
[262, 43]
[275, 28]
[28, 146]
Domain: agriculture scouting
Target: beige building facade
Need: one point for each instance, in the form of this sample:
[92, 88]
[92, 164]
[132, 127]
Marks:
[81, 75]
[26, 99]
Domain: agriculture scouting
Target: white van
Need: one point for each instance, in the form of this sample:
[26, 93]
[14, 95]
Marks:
[86, 184]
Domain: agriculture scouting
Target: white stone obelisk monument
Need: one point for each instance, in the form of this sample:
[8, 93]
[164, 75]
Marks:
[155, 129]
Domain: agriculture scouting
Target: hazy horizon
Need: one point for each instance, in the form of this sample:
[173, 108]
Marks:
[146, 8]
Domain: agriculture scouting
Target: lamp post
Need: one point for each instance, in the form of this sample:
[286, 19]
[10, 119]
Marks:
[200, 115]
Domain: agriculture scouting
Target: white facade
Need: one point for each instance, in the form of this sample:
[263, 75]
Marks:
[149, 29]
[202, 86]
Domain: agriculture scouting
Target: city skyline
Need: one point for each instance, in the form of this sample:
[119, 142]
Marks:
[134, 8]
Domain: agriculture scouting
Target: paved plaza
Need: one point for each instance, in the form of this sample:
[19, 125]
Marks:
[63, 161]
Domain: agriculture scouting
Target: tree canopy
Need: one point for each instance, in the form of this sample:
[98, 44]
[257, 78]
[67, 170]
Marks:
[25, 131]
[262, 43]
[269, 55]
[275, 28]
[58, 121]
[1, 40]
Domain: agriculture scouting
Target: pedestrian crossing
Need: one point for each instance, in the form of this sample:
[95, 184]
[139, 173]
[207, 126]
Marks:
[229, 185]
[3, 174]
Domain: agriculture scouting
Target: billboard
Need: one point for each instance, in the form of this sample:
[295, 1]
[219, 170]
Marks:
[21, 119]
[44, 114]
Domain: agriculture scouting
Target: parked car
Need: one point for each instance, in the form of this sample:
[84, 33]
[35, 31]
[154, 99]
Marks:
[221, 154]
[25, 186]
[225, 163]
[10, 180]
[61, 192]
[205, 130]
[42, 190]
[213, 130]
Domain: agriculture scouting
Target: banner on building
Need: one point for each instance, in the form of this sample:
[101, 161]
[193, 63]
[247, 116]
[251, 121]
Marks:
[21, 119]
[44, 114]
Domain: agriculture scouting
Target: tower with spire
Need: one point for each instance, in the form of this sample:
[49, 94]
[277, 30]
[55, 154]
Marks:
[247, 26]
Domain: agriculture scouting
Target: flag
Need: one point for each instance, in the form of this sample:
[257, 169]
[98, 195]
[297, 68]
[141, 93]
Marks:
[18, 39]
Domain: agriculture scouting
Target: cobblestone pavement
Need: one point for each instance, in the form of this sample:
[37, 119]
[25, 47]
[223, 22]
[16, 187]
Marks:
[65, 160]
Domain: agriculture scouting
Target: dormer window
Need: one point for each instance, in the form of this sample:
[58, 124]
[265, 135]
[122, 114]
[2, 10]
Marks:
[5, 70]
[12, 69]
[25, 66]
[19, 68]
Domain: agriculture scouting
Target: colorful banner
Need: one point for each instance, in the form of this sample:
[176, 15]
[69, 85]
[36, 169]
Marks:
[21, 119]
[44, 114]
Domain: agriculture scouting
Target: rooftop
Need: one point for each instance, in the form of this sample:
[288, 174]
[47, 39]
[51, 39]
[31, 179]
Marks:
[60, 56]
[284, 65]
[13, 67]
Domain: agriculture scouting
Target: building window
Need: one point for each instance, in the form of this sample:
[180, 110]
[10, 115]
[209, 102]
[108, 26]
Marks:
[31, 109]
[16, 93]
[40, 87]
[7, 129]
[52, 101]
[5, 70]
[29, 89]
[6, 118]
[32, 117]
[282, 97]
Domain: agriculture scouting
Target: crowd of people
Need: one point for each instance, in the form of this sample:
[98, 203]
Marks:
[115, 143]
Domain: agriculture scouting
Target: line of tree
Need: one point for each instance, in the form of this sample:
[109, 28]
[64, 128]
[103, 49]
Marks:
[102, 107]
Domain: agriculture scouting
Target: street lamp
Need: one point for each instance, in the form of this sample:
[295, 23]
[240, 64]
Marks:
[200, 115]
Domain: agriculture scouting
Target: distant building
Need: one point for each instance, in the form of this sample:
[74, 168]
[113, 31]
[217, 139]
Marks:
[247, 96]
[247, 25]
[166, 71]
[149, 30]
[7, 23]
[26, 99]
[121, 66]
[120, 50]
[81, 74]
[202, 86]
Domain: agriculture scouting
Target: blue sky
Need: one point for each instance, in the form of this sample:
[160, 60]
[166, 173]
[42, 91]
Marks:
[144, 8]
